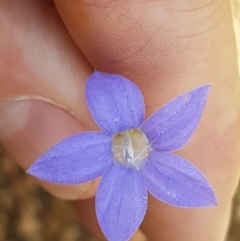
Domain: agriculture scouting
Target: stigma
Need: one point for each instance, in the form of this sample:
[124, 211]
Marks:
[130, 147]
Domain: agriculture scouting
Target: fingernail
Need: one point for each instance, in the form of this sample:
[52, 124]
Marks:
[28, 128]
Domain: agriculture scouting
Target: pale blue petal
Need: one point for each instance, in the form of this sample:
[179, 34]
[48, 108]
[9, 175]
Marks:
[115, 103]
[175, 181]
[121, 202]
[79, 158]
[171, 127]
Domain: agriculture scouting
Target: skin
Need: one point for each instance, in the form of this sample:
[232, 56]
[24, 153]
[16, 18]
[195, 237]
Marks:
[165, 47]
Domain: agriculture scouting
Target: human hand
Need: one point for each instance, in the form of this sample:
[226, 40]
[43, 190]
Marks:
[166, 48]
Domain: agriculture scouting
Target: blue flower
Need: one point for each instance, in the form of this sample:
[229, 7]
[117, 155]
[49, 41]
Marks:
[133, 156]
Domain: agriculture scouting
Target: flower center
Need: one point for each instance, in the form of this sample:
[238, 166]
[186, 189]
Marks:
[130, 147]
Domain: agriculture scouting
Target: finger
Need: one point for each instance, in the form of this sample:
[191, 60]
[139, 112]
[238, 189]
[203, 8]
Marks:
[43, 76]
[168, 48]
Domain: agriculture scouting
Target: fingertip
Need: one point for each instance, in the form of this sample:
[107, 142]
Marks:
[29, 128]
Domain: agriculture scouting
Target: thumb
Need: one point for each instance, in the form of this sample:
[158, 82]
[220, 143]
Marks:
[42, 98]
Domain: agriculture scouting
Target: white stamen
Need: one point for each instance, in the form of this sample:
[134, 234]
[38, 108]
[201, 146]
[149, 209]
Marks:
[130, 147]
[127, 148]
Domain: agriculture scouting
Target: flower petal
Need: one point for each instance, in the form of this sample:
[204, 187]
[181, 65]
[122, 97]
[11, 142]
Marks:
[121, 202]
[171, 127]
[115, 103]
[79, 158]
[176, 181]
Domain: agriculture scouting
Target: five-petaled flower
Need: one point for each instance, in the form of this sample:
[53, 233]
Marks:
[132, 156]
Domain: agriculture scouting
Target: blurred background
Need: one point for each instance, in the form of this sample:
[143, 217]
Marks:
[28, 213]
